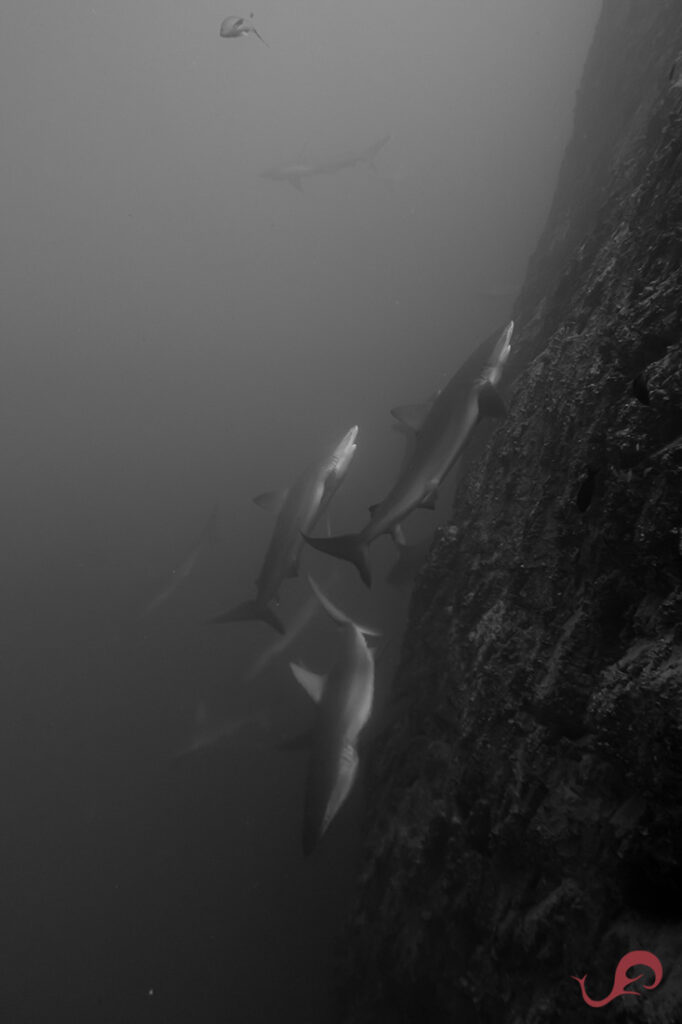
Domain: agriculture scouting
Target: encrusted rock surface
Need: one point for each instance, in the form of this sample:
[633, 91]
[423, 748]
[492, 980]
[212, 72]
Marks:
[524, 802]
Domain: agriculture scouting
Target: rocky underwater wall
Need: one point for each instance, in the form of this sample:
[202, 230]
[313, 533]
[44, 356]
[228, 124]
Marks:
[524, 797]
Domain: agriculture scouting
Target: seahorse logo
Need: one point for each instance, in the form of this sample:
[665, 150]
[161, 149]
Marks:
[622, 979]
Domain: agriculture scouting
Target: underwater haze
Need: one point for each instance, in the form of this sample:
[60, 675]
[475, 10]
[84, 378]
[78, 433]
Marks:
[182, 330]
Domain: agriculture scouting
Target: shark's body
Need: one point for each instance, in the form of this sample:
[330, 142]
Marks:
[344, 700]
[208, 536]
[442, 433]
[298, 510]
[294, 173]
[299, 622]
[208, 732]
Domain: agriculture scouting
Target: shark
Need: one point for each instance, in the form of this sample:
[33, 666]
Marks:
[208, 732]
[302, 617]
[297, 510]
[295, 172]
[344, 698]
[442, 431]
[233, 27]
[207, 537]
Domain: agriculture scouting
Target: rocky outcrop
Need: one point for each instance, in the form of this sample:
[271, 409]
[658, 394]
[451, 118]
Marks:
[524, 806]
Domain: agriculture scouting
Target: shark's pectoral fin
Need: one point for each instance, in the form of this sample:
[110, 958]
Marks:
[312, 682]
[271, 501]
[347, 770]
[490, 402]
[411, 416]
[372, 508]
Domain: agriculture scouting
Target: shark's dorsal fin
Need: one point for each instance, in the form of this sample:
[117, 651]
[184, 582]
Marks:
[271, 501]
[339, 617]
[312, 682]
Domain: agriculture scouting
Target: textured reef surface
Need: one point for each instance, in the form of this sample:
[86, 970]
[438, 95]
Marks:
[524, 797]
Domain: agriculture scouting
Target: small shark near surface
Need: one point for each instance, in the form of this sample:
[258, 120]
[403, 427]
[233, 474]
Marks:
[442, 432]
[207, 537]
[293, 173]
[298, 510]
[344, 700]
[234, 27]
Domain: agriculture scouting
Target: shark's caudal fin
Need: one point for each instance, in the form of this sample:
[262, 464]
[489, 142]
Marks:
[339, 617]
[248, 611]
[316, 819]
[347, 546]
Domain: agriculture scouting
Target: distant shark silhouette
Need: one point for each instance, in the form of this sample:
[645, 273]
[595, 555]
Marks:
[207, 537]
[208, 732]
[293, 173]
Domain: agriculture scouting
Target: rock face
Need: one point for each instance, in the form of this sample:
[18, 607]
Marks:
[524, 801]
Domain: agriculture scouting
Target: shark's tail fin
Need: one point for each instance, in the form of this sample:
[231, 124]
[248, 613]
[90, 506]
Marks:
[249, 611]
[339, 617]
[347, 546]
